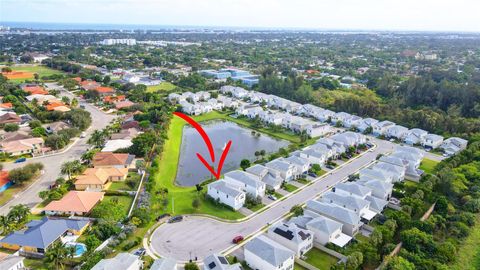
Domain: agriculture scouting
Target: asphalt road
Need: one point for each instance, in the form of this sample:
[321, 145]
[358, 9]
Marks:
[197, 237]
[53, 163]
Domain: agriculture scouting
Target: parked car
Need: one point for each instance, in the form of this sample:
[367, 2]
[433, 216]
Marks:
[162, 216]
[139, 252]
[83, 135]
[329, 166]
[20, 160]
[312, 174]
[82, 107]
[237, 239]
[175, 219]
[272, 197]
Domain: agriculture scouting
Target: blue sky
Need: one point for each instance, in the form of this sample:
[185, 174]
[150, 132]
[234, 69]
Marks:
[435, 15]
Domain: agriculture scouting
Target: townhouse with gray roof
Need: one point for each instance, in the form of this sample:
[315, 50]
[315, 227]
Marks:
[354, 203]
[366, 123]
[380, 128]
[351, 220]
[266, 254]
[164, 264]
[377, 174]
[352, 188]
[327, 230]
[432, 141]
[397, 132]
[453, 145]
[226, 193]
[301, 164]
[415, 136]
[287, 170]
[397, 172]
[270, 177]
[291, 236]
[247, 182]
[124, 261]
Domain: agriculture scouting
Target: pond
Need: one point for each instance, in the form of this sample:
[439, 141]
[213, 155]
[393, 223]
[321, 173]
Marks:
[244, 145]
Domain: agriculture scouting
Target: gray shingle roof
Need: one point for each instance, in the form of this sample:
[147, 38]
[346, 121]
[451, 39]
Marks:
[269, 250]
[290, 231]
[219, 262]
[246, 178]
[300, 221]
[279, 165]
[324, 224]
[41, 233]
[376, 204]
[224, 187]
[349, 202]
[164, 264]
[258, 170]
[353, 188]
[121, 261]
[335, 212]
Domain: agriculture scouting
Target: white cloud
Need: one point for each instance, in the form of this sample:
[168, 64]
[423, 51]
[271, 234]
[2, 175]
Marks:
[333, 14]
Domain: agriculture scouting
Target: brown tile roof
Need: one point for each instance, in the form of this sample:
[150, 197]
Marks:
[76, 201]
[10, 118]
[110, 159]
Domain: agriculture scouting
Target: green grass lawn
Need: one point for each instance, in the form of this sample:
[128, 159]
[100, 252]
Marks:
[122, 185]
[124, 201]
[278, 195]
[257, 207]
[428, 165]
[468, 255]
[298, 267]
[320, 259]
[164, 86]
[289, 187]
[7, 194]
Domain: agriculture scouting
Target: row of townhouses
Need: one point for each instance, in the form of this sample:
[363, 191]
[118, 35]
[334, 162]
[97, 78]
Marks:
[255, 180]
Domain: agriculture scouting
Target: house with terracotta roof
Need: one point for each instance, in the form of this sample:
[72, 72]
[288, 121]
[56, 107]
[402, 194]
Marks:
[34, 89]
[57, 106]
[74, 203]
[99, 178]
[6, 106]
[89, 85]
[104, 90]
[113, 99]
[77, 79]
[123, 104]
[10, 118]
[113, 160]
[22, 146]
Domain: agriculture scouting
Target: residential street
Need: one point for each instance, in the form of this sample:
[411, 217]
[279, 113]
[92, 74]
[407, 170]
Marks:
[52, 163]
[190, 238]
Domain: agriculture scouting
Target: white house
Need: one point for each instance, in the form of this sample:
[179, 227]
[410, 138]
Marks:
[453, 145]
[432, 141]
[337, 148]
[352, 188]
[265, 254]
[287, 170]
[219, 262]
[247, 182]
[415, 136]
[326, 231]
[292, 237]
[314, 156]
[377, 174]
[350, 220]
[227, 194]
[164, 264]
[354, 203]
[301, 164]
[124, 261]
[380, 128]
[352, 121]
[366, 123]
[349, 139]
[397, 172]
[397, 131]
[324, 115]
[340, 117]
[12, 262]
[317, 129]
[270, 177]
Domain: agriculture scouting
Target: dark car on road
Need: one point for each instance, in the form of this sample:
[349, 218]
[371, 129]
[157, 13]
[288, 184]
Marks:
[162, 216]
[175, 219]
[312, 174]
[20, 160]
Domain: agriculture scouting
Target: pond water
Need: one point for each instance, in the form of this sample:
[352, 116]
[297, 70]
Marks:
[244, 144]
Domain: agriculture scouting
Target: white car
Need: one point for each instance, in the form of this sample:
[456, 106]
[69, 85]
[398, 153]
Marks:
[83, 135]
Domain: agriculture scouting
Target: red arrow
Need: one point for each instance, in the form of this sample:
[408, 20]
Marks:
[209, 145]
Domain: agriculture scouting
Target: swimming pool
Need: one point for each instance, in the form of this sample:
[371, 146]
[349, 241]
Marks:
[79, 249]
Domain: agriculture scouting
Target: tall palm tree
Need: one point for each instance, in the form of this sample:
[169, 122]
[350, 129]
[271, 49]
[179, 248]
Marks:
[57, 254]
[70, 168]
[97, 138]
[5, 224]
[18, 213]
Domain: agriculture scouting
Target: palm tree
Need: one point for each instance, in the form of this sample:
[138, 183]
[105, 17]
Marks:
[57, 254]
[97, 138]
[5, 224]
[70, 168]
[18, 213]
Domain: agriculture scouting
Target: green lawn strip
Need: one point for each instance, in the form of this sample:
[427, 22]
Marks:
[164, 86]
[257, 207]
[39, 69]
[122, 185]
[285, 135]
[278, 195]
[298, 267]
[428, 165]
[468, 254]
[289, 187]
[362, 238]
[320, 259]
[124, 201]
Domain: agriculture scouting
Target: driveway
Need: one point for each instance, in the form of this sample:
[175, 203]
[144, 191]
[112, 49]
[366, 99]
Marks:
[52, 163]
[197, 237]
